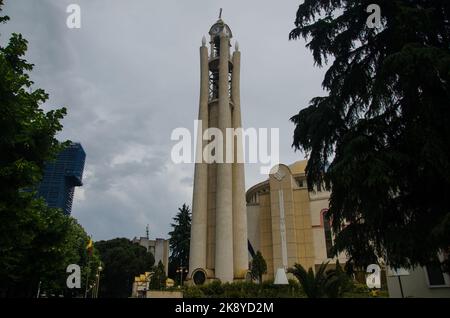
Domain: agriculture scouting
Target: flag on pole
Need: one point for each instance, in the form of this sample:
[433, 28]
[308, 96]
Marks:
[90, 247]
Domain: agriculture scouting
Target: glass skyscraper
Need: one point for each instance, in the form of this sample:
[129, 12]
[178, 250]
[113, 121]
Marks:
[62, 176]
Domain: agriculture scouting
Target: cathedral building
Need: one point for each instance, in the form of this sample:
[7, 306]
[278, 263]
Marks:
[287, 223]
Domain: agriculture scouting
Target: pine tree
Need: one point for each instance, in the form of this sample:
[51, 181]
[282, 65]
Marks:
[158, 280]
[179, 241]
[380, 136]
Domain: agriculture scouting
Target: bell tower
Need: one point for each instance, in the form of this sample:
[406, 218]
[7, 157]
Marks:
[219, 247]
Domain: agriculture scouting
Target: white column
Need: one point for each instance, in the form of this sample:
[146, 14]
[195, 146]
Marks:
[224, 221]
[280, 277]
[282, 229]
[240, 245]
[197, 255]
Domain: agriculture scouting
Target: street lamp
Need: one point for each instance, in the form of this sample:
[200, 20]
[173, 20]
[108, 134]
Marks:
[93, 286]
[99, 269]
[182, 270]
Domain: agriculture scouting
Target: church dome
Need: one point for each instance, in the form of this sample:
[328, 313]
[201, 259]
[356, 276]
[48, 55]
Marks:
[298, 167]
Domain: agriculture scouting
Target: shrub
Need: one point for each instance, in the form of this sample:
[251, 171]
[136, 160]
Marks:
[360, 288]
[245, 290]
[192, 292]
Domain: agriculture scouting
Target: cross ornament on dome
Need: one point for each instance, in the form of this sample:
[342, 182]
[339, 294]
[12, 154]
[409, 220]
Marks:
[220, 14]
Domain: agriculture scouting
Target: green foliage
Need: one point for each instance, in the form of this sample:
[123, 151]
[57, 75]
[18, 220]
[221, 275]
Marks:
[192, 292]
[339, 281]
[122, 261]
[362, 291]
[36, 241]
[380, 136]
[213, 288]
[244, 290]
[158, 280]
[50, 242]
[258, 267]
[268, 290]
[72, 251]
[360, 288]
[179, 242]
[314, 286]
[332, 283]
[27, 132]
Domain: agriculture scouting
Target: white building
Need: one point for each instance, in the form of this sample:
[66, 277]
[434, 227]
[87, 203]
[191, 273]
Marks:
[421, 282]
[159, 248]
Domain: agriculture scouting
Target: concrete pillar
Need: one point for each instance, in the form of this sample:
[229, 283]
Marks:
[240, 247]
[224, 196]
[197, 255]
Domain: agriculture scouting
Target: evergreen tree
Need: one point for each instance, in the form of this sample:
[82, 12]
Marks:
[380, 136]
[258, 267]
[158, 280]
[179, 241]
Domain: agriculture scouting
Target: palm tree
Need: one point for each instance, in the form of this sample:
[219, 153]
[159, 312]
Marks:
[323, 283]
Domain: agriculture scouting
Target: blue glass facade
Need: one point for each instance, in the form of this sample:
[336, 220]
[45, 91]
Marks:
[62, 176]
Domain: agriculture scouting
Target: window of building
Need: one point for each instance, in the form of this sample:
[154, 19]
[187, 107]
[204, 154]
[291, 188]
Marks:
[199, 277]
[435, 275]
[328, 234]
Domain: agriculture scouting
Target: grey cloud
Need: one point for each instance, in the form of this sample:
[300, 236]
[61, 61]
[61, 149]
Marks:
[130, 76]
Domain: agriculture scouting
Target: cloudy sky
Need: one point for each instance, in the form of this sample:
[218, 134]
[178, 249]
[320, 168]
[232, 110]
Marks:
[130, 75]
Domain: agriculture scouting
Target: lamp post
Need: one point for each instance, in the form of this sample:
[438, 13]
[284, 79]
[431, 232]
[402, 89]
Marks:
[93, 286]
[99, 270]
[87, 277]
[182, 269]
[90, 289]
[39, 290]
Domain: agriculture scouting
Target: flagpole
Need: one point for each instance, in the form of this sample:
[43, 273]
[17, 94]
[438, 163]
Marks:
[88, 268]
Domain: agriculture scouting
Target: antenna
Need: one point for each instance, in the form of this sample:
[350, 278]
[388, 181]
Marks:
[220, 14]
[147, 232]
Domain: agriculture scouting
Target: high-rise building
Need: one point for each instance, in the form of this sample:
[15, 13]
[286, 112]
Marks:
[219, 248]
[62, 176]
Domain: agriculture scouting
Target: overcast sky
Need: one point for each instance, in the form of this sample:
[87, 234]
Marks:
[130, 75]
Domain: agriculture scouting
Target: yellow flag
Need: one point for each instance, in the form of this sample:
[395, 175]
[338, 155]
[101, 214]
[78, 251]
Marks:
[90, 244]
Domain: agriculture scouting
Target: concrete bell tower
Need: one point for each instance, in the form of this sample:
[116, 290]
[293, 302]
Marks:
[219, 247]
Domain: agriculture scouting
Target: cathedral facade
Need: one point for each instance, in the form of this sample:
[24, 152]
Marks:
[287, 223]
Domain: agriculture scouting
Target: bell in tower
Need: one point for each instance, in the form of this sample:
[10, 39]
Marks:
[218, 248]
